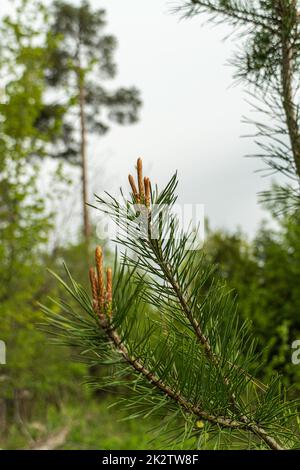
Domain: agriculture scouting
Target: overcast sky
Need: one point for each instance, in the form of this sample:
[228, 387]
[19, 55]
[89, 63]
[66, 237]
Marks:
[191, 117]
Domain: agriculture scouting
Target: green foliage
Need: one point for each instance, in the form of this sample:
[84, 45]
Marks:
[266, 274]
[25, 52]
[25, 224]
[93, 425]
[169, 307]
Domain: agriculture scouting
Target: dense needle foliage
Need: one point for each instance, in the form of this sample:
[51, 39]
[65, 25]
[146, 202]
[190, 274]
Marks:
[170, 332]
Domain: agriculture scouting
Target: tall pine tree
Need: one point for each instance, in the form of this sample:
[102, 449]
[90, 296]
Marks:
[80, 64]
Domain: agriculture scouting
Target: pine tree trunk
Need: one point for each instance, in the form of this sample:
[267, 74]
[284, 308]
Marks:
[83, 154]
[289, 106]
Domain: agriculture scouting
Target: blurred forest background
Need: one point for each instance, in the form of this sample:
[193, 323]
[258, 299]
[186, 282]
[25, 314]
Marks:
[56, 63]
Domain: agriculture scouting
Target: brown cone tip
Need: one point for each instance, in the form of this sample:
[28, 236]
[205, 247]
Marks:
[140, 177]
[133, 187]
[93, 282]
[98, 253]
[109, 284]
[99, 267]
[147, 191]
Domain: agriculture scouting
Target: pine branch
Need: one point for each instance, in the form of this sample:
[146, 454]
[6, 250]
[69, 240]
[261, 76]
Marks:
[153, 379]
[268, 61]
[204, 341]
[155, 248]
[235, 12]
[163, 315]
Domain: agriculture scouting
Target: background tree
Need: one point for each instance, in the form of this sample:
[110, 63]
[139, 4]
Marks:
[268, 61]
[84, 59]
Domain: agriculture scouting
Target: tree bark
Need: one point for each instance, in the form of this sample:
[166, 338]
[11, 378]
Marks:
[287, 88]
[83, 154]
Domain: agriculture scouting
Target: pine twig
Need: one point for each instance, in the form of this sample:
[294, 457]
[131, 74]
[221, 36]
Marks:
[105, 317]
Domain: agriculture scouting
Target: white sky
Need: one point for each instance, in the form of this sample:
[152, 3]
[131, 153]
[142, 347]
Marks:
[191, 118]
